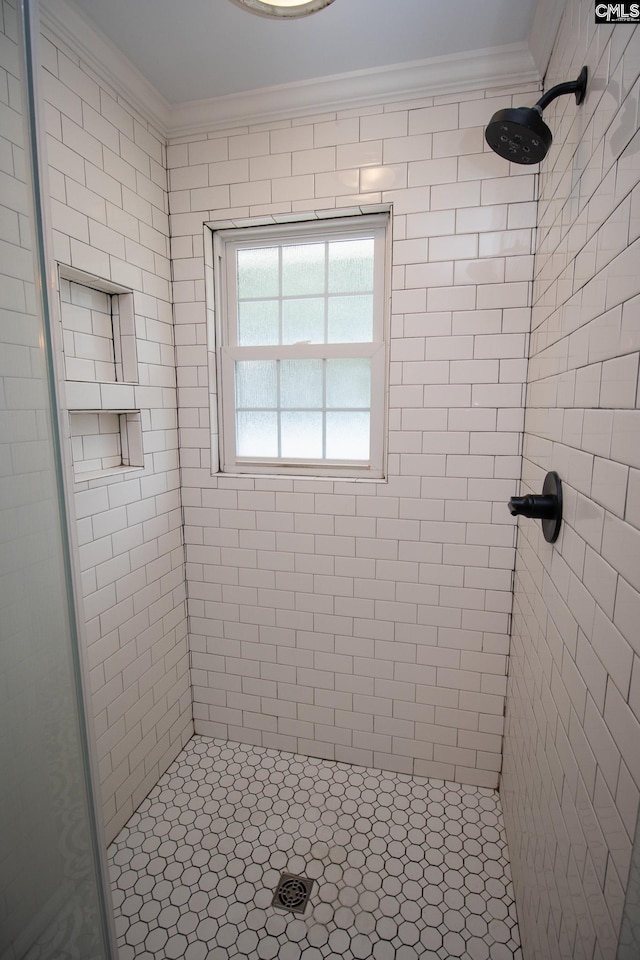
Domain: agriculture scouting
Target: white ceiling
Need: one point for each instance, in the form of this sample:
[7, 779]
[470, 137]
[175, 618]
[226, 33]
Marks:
[201, 49]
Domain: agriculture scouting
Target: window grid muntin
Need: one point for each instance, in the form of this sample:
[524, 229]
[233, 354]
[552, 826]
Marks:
[326, 320]
[279, 311]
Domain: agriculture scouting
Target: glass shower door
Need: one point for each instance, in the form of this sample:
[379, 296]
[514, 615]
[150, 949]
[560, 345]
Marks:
[629, 945]
[52, 897]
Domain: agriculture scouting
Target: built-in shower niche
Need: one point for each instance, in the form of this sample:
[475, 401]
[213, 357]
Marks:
[105, 442]
[98, 329]
[100, 375]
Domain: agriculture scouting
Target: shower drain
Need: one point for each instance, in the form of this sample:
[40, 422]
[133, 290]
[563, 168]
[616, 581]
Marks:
[292, 893]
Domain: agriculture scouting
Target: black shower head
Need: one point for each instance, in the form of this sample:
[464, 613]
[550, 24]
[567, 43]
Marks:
[520, 134]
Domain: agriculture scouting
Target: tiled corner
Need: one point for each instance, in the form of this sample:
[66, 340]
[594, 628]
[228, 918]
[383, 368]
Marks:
[404, 867]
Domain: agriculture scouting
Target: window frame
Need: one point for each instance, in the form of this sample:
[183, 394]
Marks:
[226, 241]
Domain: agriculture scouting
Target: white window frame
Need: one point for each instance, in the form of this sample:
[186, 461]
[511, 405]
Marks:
[226, 242]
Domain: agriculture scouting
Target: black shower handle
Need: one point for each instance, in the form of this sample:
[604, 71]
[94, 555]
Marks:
[537, 507]
[546, 506]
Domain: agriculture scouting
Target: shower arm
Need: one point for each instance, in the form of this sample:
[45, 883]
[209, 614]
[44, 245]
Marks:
[578, 87]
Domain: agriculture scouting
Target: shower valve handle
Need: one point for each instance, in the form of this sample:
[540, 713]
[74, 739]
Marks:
[537, 507]
[546, 506]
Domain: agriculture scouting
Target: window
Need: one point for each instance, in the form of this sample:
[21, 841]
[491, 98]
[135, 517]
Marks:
[300, 323]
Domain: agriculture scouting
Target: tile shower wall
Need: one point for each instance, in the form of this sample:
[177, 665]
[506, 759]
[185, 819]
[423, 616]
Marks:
[368, 622]
[107, 177]
[572, 772]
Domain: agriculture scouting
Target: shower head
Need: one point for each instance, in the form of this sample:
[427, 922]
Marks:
[520, 134]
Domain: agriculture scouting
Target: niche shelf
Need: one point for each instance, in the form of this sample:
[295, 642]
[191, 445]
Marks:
[100, 360]
[105, 443]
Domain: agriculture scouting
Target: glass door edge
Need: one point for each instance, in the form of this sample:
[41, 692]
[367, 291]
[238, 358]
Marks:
[29, 23]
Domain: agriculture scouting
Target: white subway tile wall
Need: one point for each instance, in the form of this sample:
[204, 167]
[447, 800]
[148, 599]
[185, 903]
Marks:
[110, 218]
[368, 622]
[571, 782]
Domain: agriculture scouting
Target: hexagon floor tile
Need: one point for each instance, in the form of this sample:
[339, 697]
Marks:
[404, 867]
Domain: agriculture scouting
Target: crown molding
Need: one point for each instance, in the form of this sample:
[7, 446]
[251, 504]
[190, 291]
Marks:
[544, 29]
[507, 65]
[70, 25]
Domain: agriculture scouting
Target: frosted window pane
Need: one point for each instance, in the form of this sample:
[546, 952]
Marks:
[301, 435]
[303, 320]
[350, 319]
[350, 266]
[258, 322]
[303, 269]
[256, 433]
[348, 435]
[301, 383]
[256, 383]
[349, 383]
[258, 272]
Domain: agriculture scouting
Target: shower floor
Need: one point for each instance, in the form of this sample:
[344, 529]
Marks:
[404, 867]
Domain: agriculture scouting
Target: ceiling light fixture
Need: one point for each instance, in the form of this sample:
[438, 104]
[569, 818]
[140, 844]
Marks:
[283, 8]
